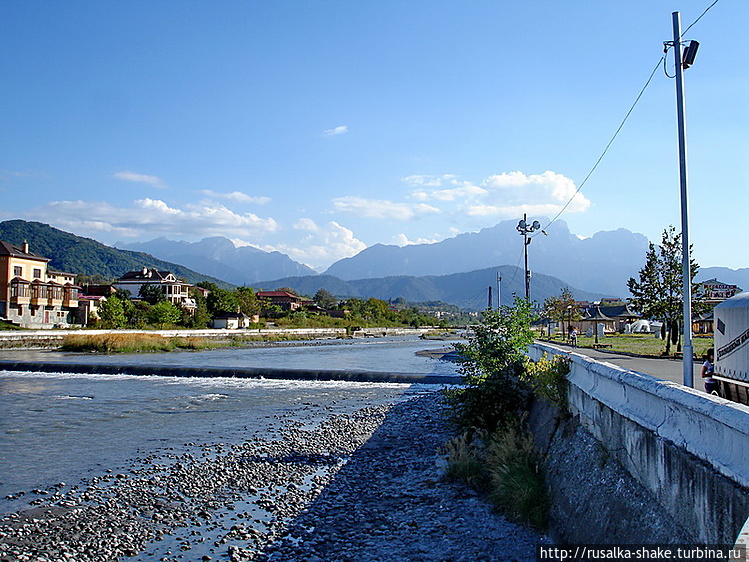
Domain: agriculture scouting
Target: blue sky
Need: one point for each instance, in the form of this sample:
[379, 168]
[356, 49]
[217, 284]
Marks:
[318, 128]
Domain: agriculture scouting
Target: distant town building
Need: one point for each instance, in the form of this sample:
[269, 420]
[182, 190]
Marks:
[88, 308]
[713, 292]
[33, 295]
[233, 320]
[177, 292]
[285, 300]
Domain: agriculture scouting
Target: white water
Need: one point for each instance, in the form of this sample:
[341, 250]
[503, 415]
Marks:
[69, 428]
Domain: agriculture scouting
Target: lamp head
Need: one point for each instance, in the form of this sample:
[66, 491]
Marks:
[690, 53]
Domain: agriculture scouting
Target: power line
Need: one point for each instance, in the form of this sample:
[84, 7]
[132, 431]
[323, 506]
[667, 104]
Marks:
[683, 33]
[605, 150]
[662, 60]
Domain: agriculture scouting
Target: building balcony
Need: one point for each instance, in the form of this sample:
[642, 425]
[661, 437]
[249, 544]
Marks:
[20, 299]
[20, 291]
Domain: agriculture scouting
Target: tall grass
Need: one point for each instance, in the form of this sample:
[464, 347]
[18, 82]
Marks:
[466, 460]
[506, 467]
[129, 343]
[517, 483]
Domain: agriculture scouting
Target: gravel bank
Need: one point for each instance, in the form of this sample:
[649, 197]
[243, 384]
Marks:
[364, 486]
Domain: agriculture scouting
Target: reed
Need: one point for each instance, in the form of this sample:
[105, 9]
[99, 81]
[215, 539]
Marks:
[117, 343]
[466, 460]
[518, 486]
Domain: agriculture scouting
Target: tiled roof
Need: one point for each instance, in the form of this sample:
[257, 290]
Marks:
[150, 273]
[277, 294]
[8, 249]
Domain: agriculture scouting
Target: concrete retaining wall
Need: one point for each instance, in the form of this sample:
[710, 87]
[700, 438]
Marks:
[688, 449]
[349, 375]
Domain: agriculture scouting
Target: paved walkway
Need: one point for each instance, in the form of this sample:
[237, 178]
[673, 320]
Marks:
[662, 368]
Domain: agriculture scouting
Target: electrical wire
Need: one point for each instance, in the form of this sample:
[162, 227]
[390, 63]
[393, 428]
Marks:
[683, 33]
[517, 268]
[670, 44]
[605, 150]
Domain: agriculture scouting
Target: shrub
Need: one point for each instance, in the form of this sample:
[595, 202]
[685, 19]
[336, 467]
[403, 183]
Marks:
[517, 484]
[492, 363]
[466, 461]
[548, 379]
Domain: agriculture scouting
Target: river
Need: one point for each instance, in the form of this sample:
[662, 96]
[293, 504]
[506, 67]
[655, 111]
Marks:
[62, 430]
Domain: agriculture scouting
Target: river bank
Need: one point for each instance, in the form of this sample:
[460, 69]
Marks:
[359, 485]
[47, 339]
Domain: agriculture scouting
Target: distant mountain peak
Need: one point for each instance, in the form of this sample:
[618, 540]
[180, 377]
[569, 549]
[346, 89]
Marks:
[599, 264]
[221, 257]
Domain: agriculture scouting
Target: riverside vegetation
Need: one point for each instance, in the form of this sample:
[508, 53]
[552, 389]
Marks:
[495, 452]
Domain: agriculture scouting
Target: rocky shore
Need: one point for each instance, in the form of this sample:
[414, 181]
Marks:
[361, 486]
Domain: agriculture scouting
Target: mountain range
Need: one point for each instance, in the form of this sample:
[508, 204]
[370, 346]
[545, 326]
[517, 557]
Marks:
[468, 290]
[217, 256]
[84, 256]
[602, 263]
[457, 270]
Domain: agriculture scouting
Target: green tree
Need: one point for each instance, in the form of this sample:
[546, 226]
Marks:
[199, 318]
[164, 312]
[561, 308]
[248, 301]
[111, 313]
[324, 299]
[220, 301]
[657, 293]
[492, 363]
[151, 293]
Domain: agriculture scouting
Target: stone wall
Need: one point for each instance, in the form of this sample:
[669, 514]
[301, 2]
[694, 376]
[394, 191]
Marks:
[684, 457]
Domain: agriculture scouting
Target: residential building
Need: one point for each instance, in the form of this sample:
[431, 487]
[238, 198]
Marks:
[713, 292]
[285, 300]
[233, 320]
[88, 308]
[32, 294]
[176, 291]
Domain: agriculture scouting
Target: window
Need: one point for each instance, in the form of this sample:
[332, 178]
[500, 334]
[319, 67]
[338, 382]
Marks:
[17, 271]
[37, 273]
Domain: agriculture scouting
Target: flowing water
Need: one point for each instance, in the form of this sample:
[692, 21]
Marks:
[57, 428]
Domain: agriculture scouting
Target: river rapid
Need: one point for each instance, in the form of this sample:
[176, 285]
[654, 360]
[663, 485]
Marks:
[62, 430]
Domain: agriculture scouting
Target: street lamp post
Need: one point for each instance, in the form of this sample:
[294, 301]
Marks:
[499, 291]
[681, 62]
[524, 228]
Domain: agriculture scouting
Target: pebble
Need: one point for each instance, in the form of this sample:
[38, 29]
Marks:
[365, 485]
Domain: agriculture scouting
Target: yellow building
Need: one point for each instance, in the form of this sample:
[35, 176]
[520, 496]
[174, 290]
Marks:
[33, 295]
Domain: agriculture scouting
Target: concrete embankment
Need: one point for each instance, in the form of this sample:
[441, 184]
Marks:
[245, 373]
[641, 460]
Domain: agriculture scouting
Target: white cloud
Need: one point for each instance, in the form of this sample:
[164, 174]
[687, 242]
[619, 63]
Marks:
[403, 240]
[306, 224]
[153, 181]
[237, 196]
[428, 180]
[153, 217]
[462, 191]
[380, 208]
[341, 129]
[501, 195]
[323, 246]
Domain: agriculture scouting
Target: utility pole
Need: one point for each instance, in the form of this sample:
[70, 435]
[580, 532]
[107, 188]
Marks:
[489, 307]
[680, 64]
[499, 291]
[524, 228]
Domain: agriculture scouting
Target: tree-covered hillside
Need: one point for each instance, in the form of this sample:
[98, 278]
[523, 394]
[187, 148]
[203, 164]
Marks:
[85, 256]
